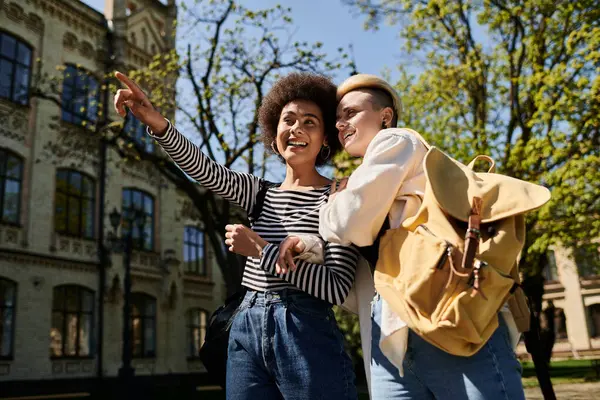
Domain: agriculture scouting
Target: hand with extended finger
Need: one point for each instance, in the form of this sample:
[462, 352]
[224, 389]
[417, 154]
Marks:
[244, 241]
[290, 247]
[134, 98]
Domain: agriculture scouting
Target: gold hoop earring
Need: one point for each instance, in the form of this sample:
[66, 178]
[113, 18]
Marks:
[273, 148]
[323, 156]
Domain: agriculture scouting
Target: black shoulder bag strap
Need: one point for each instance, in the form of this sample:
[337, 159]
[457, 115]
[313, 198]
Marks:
[260, 200]
[371, 252]
[213, 352]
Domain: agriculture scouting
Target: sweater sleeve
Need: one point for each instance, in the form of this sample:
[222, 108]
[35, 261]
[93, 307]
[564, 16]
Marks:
[357, 213]
[237, 187]
[331, 281]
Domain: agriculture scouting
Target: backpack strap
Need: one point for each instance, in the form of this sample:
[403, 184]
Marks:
[489, 159]
[371, 252]
[260, 200]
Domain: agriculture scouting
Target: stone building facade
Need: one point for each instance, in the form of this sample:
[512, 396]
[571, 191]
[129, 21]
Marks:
[50, 288]
[572, 289]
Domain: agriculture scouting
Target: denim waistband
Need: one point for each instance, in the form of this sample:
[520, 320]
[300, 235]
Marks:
[280, 296]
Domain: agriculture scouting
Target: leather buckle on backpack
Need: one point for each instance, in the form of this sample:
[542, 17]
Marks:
[475, 279]
[473, 233]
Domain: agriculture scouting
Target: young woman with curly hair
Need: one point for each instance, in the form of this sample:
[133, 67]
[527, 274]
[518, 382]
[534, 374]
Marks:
[284, 341]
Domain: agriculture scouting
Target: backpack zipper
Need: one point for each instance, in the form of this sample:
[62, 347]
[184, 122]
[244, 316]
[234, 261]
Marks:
[445, 256]
[447, 252]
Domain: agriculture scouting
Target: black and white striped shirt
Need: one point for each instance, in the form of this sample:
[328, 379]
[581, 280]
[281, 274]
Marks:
[284, 212]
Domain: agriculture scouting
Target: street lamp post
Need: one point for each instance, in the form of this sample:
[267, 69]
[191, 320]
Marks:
[125, 244]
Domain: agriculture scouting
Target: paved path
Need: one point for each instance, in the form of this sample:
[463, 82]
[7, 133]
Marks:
[579, 391]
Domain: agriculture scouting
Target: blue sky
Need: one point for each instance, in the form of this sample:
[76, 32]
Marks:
[332, 23]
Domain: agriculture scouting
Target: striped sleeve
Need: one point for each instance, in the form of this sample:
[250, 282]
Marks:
[234, 186]
[331, 281]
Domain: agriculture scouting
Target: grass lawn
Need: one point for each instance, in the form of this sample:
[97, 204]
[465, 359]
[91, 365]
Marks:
[569, 371]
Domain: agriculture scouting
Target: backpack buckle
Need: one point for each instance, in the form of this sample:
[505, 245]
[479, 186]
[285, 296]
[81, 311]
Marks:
[473, 234]
[475, 279]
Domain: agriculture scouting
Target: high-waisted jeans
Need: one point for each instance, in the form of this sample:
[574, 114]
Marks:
[493, 373]
[287, 345]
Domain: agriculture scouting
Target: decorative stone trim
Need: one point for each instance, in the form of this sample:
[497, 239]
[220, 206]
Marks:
[11, 236]
[553, 287]
[590, 282]
[14, 12]
[168, 295]
[143, 260]
[146, 274]
[25, 257]
[144, 365]
[70, 41]
[13, 121]
[87, 50]
[198, 295]
[197, 279]
[137, 56]
[82, 23]
[35, 23]
[72, 367]
[76, 247]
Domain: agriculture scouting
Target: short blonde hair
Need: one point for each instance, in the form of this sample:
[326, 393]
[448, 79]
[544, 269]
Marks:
[371, 83]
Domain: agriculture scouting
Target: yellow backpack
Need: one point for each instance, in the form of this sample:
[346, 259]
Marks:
[449, 269]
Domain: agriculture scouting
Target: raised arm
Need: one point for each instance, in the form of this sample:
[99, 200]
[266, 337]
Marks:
[238, 187]
[234, 186]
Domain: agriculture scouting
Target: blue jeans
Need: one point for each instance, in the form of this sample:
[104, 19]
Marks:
[430, 373]
[287, 345]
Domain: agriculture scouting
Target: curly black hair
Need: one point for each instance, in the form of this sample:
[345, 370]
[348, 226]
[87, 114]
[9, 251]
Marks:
[300, 86]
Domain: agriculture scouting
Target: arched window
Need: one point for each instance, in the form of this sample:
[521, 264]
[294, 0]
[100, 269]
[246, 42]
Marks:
[194, 251]
[196, 321]
[8, 298]
[15, 69]
[72, 321]
[133, 200]
[80, 97]
[75, 204]
[143, 325]
[11, 182]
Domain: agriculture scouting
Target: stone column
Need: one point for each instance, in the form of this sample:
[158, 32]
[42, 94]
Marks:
[577, 327]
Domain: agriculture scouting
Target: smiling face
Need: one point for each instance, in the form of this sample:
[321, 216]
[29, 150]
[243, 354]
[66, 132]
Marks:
[359, 120]
[300, 132]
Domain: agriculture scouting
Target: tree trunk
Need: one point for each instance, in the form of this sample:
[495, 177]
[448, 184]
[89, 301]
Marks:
[534, 288]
